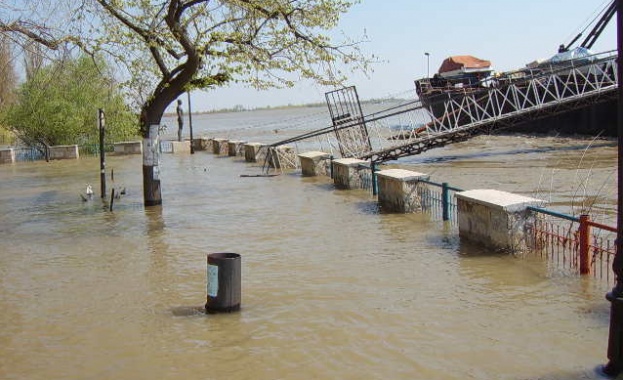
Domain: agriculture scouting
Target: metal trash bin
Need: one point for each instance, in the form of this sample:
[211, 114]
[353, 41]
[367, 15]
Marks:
[224, 283]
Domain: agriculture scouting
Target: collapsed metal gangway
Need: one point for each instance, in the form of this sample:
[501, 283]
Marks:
[508, 100]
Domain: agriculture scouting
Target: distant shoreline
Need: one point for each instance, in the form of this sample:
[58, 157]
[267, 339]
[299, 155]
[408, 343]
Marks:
[241, 108]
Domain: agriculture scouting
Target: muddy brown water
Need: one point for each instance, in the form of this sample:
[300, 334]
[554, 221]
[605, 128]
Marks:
[331, 287]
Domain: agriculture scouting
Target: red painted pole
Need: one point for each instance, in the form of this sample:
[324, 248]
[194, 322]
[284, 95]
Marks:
[585, 241]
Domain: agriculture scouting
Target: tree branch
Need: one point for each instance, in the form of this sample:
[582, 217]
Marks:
[26, 29]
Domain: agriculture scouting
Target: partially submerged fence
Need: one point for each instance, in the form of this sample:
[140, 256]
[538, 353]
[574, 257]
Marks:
[38, 153]
[575, 244]
[438, 199]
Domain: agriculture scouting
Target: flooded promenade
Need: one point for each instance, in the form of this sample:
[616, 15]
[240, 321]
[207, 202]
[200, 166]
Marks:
[331, 287]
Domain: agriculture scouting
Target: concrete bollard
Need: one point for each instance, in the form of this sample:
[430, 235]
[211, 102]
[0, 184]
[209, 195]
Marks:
[251, 151]
[314, 163]
[220, 146]
[64, 152]
[224, 283]
[235, 148]
[180, 147]
[7, 156]
[282, 157]
[201, 144]
[346, 173]
[496, 219]
[397, 190]
[128, 147]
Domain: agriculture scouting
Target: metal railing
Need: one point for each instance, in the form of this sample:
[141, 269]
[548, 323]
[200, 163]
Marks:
[577, 244]
[32, 153]
[574, 243]
[438, 199]
[420, 125]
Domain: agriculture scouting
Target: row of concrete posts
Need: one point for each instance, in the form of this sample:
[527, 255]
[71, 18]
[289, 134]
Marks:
[495, 219]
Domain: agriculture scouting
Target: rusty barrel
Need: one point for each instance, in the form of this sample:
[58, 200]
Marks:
[224, 288]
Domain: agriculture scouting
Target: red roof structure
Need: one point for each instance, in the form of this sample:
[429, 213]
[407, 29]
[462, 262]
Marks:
[463, 62]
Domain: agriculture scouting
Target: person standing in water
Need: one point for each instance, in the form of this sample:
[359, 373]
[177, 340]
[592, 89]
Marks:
[180, 120]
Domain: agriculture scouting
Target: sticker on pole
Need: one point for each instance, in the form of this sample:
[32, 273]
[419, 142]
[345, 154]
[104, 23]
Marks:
[151, 146]
[212, 280]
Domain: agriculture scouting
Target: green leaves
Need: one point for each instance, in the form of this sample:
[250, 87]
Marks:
[265, 43]
[59, 105]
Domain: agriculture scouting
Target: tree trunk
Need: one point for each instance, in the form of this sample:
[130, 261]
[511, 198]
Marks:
[150, 125]
[151, 116]
[151, 185]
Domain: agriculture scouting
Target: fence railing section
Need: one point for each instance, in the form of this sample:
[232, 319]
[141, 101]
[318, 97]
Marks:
[574, 243]
[438, 200]
[87, 150]
[571, 243]
[29, 154]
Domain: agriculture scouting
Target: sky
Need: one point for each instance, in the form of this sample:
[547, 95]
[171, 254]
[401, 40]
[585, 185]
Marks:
[508, 33]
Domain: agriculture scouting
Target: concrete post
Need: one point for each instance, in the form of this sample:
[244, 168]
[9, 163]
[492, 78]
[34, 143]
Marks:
[220, 146]
[235, 148]
[314, 163]
[251, 152]
[62, 152]
[496, 219]
[346, 173]
[201, 144]
[282, 157]
[397, 190]
[180, 146]
[7, 156]
[128, 147]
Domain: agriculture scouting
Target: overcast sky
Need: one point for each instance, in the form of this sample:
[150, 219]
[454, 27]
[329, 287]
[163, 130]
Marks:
[508, 33]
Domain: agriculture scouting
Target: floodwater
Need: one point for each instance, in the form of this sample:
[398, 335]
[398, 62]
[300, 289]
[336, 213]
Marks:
[331, 287]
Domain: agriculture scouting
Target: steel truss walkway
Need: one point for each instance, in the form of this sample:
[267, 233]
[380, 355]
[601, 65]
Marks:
[415, 127]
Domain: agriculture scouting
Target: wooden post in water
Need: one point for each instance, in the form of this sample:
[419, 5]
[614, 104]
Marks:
[101, 122]
[112, 198]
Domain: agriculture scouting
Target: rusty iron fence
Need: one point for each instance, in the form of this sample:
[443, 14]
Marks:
[574, 243]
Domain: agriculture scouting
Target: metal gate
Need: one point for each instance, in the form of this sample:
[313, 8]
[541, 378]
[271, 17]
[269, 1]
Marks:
[348, 122]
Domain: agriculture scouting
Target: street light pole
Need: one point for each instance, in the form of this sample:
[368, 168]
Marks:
[427, 64]
[615, 337]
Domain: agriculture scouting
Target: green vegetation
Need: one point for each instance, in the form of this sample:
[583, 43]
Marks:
[170, 47]
[58, 105]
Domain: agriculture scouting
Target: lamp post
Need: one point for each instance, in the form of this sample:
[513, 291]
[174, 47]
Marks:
[427, 64]
[102, 129]
[615, 337]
